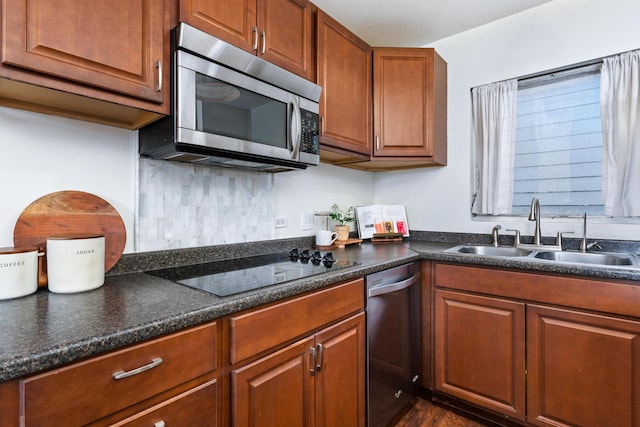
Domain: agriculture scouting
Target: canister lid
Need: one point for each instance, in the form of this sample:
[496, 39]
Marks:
[75, 236]
[18, 250]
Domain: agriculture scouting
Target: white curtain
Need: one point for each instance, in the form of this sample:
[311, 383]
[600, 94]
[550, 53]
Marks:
[493, 137]
[620, 108]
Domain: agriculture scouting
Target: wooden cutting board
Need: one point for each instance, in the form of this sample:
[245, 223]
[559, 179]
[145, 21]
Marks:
[67, 213]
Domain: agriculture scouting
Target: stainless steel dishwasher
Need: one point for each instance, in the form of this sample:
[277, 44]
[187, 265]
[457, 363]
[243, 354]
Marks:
[393, 342]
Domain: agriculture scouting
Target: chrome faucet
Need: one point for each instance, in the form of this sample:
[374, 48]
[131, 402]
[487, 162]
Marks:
[494, 233]
[534, 215]
[584, 246]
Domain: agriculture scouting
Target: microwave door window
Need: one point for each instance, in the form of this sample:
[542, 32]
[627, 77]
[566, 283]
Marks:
[228, 110]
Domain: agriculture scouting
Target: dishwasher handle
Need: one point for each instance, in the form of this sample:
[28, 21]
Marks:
[392, 287]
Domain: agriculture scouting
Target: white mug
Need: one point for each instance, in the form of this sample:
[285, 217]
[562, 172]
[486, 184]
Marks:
[325, 237]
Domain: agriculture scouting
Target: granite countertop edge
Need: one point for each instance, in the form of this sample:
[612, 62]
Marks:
[167, 307]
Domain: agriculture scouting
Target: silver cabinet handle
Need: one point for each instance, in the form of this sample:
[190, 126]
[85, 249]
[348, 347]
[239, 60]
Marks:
[160, 423]
[159, 84]
[263, 34]
[319, 361]
[312, 353]
[255, 39]
[124, 374]
[377, 143]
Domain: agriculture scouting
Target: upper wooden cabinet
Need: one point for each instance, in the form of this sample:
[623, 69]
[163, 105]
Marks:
[410, 105]
[381, 108]
[107, 50]
[280, 31]
[344, 72]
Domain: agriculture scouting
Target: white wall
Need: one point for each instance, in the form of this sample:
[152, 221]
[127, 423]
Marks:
[41, 154]
[315, 190]
[555, 34]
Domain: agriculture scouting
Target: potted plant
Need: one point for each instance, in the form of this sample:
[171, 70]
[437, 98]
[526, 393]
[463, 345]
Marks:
[342, 217]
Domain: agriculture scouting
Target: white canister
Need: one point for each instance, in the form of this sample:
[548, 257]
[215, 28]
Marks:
[18, 272]
[75, 263]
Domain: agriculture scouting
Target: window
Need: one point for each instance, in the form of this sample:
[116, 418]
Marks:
[558, 143]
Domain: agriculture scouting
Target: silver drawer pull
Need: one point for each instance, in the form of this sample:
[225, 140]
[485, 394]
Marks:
[124, 374]
[159, 424]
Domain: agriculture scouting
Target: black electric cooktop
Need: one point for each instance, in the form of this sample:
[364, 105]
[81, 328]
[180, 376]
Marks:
[245, 274]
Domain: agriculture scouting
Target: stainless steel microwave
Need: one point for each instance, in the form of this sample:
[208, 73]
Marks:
[231, 108]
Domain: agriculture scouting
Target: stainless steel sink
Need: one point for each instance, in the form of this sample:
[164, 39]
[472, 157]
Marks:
[600, 258]
[504, 251]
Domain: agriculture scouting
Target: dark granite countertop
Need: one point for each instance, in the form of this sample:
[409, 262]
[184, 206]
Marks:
[46, 330]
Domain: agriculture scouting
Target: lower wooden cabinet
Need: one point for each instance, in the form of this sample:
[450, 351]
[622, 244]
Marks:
[195, 407]
[318, 380]
[582, 368]
[300, 362]
[479, 351]
[172, 379]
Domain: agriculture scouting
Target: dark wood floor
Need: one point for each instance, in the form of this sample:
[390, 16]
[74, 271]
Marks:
[427, 414]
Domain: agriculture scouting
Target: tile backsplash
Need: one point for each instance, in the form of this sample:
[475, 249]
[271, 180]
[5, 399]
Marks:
[183, 205]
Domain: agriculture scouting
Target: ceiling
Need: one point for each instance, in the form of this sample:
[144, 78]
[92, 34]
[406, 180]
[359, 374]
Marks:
[416, 23]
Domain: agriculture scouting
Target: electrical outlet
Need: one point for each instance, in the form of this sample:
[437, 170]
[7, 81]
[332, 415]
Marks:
[280, 222]
[306, 221]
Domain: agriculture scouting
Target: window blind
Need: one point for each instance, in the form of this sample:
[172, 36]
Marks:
[558, 151]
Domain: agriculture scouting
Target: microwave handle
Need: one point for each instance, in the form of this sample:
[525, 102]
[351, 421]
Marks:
[296, 128]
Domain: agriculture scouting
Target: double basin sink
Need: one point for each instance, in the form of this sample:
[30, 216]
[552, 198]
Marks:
[610, 259]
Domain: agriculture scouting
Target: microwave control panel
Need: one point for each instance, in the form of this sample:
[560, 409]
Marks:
[310, 124]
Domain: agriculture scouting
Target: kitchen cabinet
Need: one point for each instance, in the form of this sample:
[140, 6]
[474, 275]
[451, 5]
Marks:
[583, 369]
[409, 107]
[309, 369]
[581, 338]
[479, 351]
[160, 380]
[345, 74]
[105, 61]
[316, 381]
[279, 31]
[381, 108]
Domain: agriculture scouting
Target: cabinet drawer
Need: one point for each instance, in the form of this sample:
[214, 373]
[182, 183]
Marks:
[86, 391]
[195, 407]
[259, 330]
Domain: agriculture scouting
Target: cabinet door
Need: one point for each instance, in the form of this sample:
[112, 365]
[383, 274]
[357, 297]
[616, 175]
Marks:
[583, 369]
[340, 377]
[479, 351]
[286, 35]
[344, 72]
[404, 102]
[233, 21]
[111, 44]
[275, 390]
